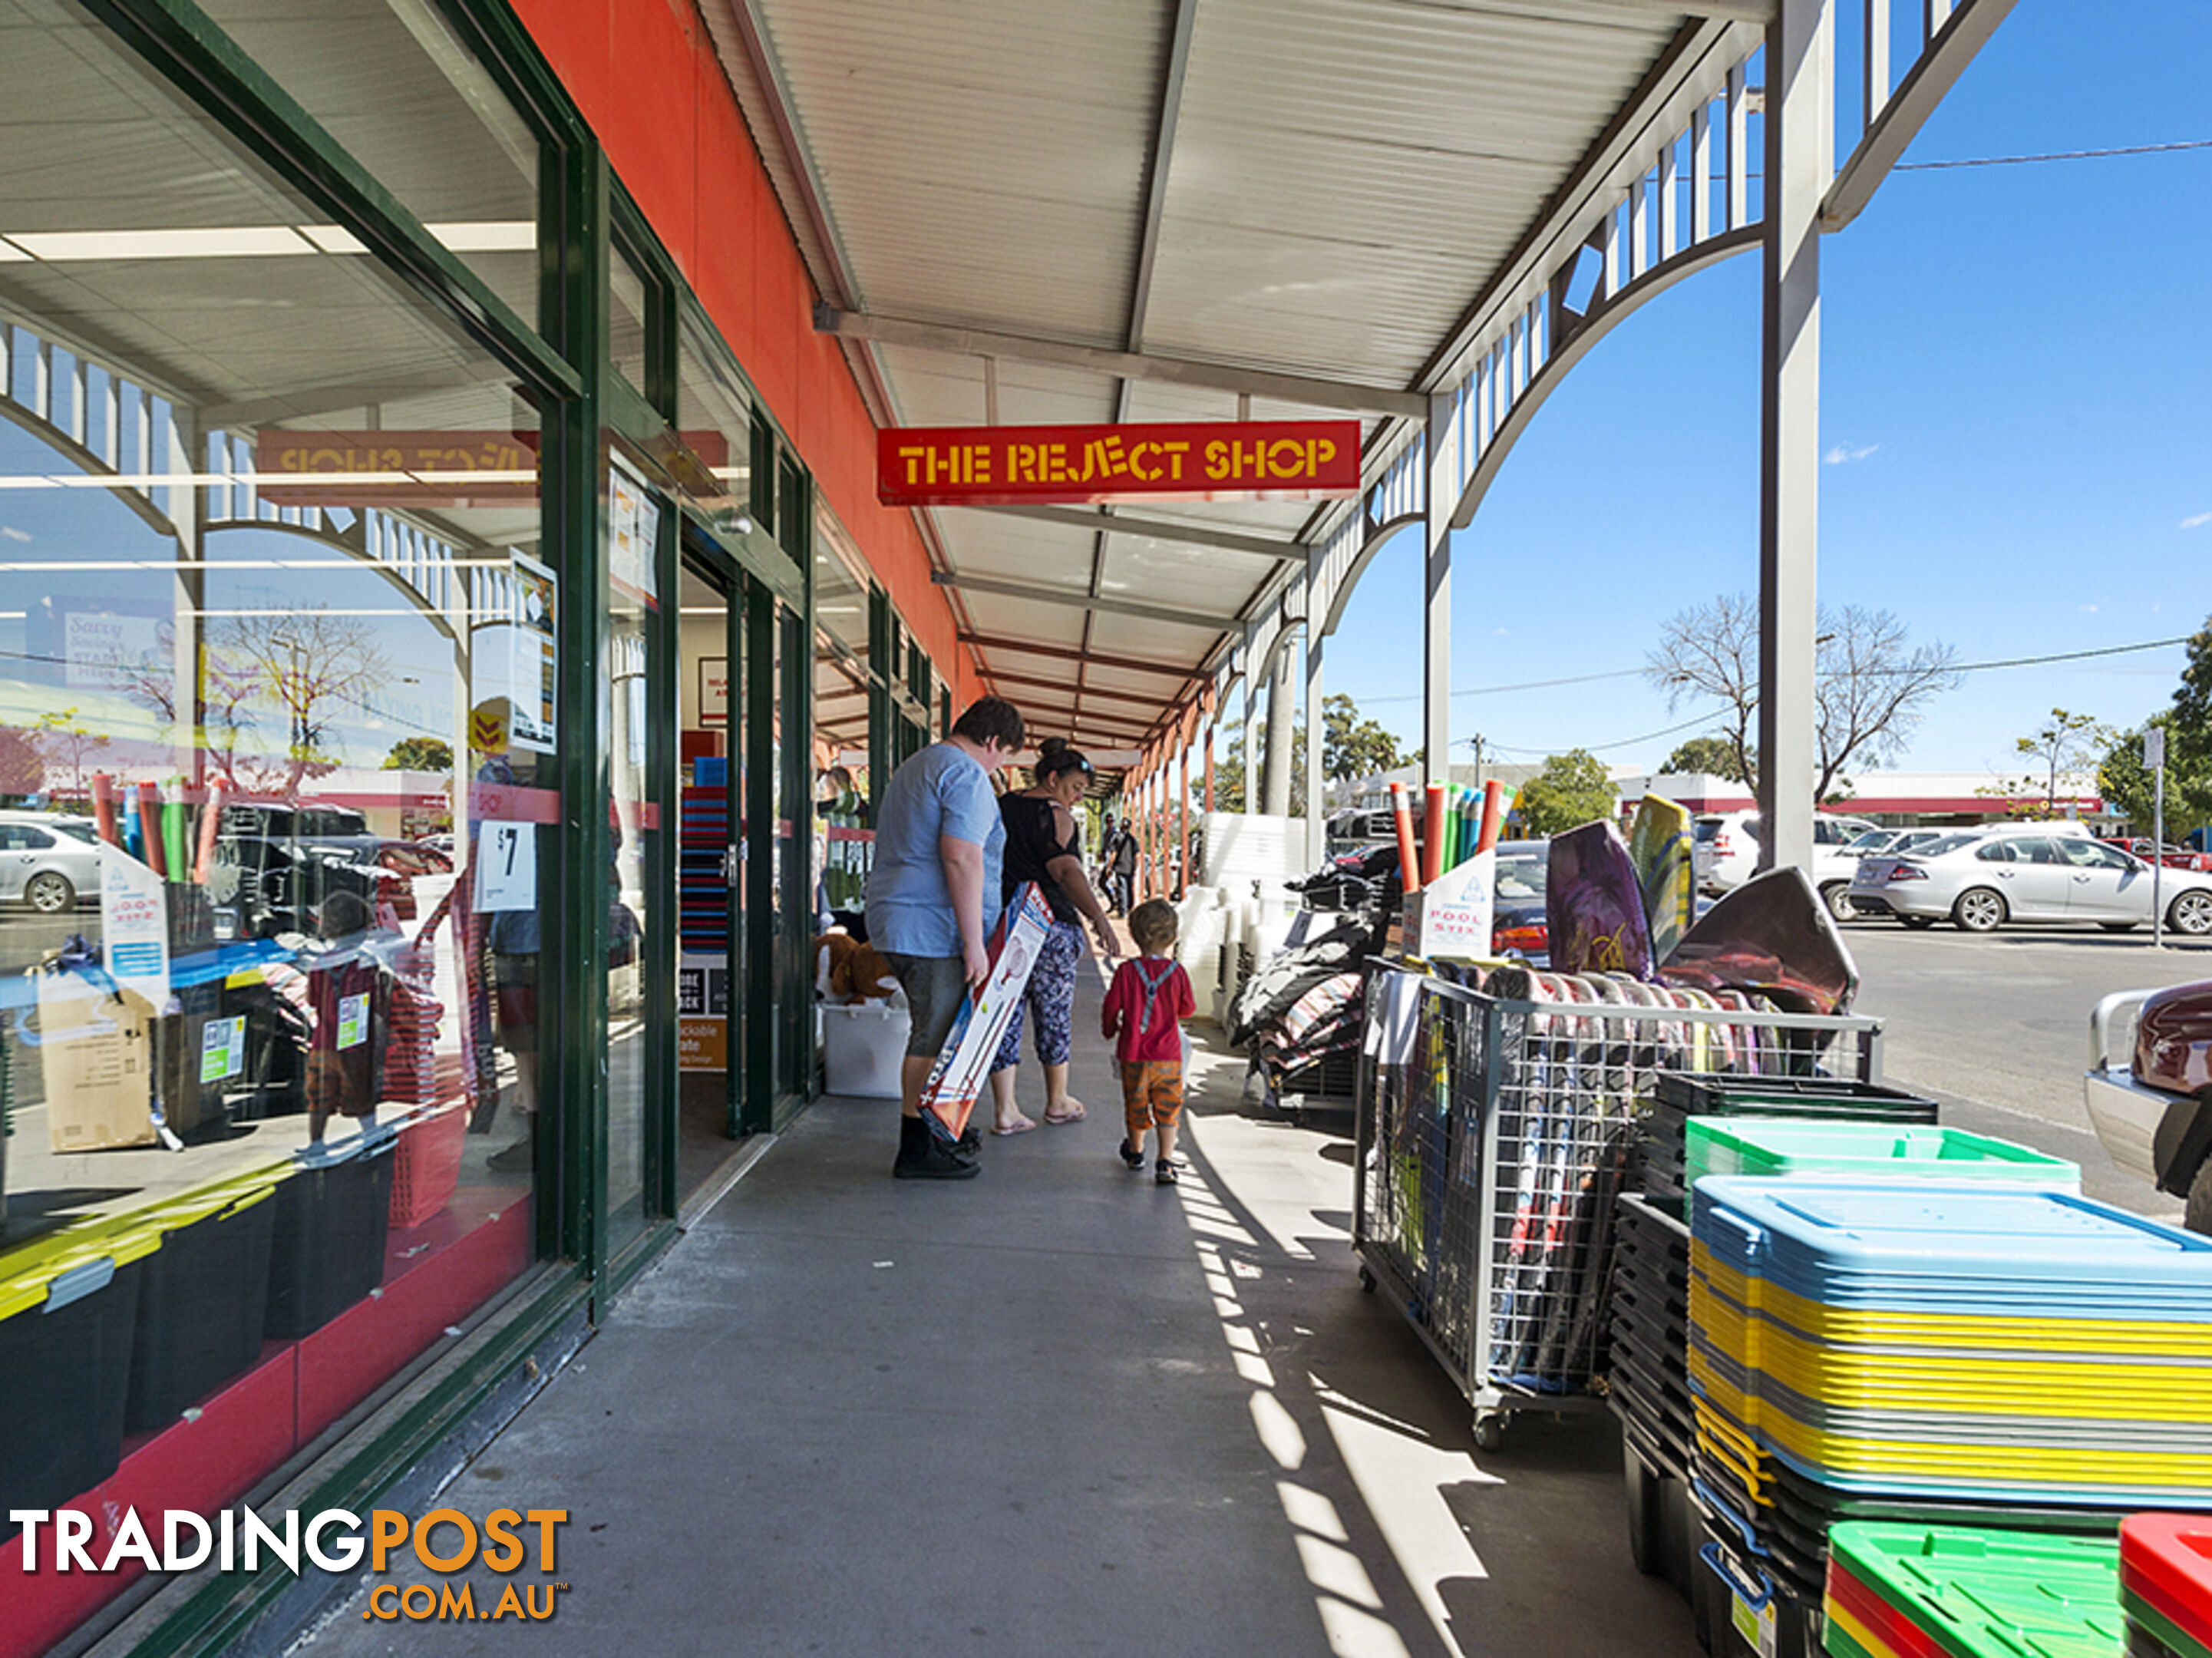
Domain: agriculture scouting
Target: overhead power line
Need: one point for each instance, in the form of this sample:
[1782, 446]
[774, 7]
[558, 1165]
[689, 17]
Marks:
[2055, 155]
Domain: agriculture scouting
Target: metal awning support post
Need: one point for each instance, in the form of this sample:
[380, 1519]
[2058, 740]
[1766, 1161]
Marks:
[1250, 717]
[1183, 732]
[1316, 839]
[1438, 500]
[1800, 142]
[1277, 802]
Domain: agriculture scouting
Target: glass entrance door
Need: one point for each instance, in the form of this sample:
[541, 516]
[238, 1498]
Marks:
[710, 926]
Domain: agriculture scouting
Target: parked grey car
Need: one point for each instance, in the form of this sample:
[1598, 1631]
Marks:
[46, 861]
[1980, 880]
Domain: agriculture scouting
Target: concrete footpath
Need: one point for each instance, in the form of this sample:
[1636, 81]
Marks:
[1055, 1410]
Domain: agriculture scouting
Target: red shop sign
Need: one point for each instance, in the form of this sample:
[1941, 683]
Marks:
[1197, 460]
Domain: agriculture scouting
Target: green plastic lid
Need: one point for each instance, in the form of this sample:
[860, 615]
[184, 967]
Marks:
[1983, 1593]
[1770, 1147]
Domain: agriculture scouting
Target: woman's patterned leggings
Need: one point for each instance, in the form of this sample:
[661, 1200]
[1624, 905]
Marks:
[1050, 1000]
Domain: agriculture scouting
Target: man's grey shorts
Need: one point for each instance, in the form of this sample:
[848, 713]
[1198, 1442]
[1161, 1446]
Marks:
[935, 986]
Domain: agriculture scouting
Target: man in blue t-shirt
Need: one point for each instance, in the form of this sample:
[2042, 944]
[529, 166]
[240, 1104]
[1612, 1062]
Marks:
[931, 885]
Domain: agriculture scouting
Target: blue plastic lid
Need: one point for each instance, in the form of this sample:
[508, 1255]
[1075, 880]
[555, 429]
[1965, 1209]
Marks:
[1814, 1228]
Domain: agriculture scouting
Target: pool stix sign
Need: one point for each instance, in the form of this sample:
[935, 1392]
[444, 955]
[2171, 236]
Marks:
[1206, 460]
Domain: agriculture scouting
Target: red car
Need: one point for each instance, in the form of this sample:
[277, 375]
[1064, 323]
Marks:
[2171, 856]
[2150, 1095]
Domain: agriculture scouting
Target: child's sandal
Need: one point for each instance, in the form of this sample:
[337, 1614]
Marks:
[1164, 1172]
[1132, 1156]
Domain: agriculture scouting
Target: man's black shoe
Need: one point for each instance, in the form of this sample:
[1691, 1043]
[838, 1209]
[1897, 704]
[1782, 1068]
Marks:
[935, 1163]
[922, 1156]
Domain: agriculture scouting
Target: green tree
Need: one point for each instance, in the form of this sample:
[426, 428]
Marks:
[1228, 791]
[2129, 787]
[2064, 744]
[420, 753]
[1714, 757]
[1572, 790]
[1352, 747]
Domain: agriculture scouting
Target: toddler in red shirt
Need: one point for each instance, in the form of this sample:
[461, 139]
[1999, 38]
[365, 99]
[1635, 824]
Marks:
[1144, 1011]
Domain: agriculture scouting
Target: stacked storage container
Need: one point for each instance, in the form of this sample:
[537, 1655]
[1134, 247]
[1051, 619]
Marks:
[1992, 1352]
[2166, 1585]
[1649, 1384]
[1923, 1592]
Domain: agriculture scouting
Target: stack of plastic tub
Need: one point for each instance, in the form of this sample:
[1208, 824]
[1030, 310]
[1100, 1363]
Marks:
[1940, 1592]
[69, 1306]
[1984, 1351]
[201, 1314]
[332, 1219]
[1679, 1096]
[1647, 1385]
[2166, 1585]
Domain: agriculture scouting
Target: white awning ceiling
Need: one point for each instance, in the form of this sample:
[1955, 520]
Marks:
[1323, 188]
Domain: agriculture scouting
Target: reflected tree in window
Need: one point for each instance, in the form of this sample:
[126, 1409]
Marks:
[313, 667]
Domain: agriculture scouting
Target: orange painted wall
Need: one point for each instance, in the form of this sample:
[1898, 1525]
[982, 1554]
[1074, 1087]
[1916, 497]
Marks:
[645, 77]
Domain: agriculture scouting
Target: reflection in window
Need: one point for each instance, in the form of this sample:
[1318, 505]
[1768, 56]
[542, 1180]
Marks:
[277, 728]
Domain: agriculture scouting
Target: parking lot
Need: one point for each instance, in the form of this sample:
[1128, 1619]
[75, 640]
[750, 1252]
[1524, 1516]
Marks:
[1997, 1026]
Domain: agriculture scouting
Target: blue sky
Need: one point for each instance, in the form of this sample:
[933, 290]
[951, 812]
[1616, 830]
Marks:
[2016, 398]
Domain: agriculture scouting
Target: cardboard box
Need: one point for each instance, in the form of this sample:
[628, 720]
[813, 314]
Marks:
[96, 1051]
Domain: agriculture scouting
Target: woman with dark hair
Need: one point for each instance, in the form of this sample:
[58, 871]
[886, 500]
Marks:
[1044, 845]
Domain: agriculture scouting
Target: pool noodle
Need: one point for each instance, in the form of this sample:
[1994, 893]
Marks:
[127, 832]
[210, 825]
[103, 808]
[1467, 824]
[152, 851]
[175, 841]
[1432, 835]
[1409, 865]
[1493, 815]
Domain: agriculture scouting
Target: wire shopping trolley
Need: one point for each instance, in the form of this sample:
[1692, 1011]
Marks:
[1494, 1135]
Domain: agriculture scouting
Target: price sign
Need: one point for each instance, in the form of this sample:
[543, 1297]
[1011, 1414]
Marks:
[507, 866]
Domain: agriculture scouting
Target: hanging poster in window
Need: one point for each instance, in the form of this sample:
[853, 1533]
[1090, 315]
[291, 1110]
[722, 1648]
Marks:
[633, 532]
[713, 691]
[534, 656]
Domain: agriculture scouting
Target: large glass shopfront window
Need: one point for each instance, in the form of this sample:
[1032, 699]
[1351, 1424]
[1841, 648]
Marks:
[280, 711]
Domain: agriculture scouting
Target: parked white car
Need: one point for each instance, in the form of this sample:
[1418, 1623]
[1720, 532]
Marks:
[47, 860]
[1724, 853]
[1980, 879]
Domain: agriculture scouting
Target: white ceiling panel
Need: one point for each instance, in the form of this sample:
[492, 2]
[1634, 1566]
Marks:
[1336, 183]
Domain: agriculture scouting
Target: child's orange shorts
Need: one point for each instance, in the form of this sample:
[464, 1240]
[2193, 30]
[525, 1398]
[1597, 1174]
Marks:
[1151, 1095]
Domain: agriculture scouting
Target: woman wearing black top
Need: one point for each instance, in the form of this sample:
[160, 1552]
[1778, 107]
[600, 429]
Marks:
[1043, 845]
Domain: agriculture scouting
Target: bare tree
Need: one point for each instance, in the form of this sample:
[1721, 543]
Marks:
[1870, 688]
[1712, 651]
[311, 664]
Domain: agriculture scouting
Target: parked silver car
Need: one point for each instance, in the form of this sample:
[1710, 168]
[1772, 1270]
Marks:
[46, 861]
[1979, 880]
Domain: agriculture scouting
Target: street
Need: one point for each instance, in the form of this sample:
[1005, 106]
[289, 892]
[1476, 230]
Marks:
[1997, 1027]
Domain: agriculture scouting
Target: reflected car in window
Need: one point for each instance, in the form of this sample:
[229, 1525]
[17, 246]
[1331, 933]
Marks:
[47, 861]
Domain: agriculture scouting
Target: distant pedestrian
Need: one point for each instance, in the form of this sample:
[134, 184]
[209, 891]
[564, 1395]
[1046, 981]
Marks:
[1121, 853]
[938, 846]
[1145, 1007]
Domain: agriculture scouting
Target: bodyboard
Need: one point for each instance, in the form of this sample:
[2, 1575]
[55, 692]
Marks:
[963, 1064]
[1771, 936]
[1593, 904]
[1659, 846]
